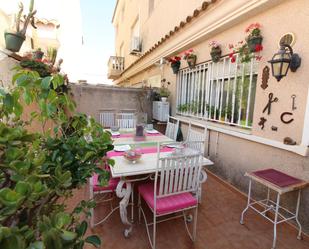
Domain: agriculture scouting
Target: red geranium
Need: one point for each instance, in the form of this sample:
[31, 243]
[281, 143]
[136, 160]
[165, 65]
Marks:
[174, 59]
[258, 47]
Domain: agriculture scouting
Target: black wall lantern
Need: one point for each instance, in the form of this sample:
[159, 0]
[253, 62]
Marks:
[283, 60]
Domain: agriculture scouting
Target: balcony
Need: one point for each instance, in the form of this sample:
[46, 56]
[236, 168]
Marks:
[115, 67]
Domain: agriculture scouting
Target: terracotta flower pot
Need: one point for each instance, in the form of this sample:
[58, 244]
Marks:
[253, 41]
[215, 54]
[191, 61]
[13, 41]
[175, 66]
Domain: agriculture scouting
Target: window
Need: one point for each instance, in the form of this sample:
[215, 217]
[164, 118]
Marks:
[223, 92]
[150, 6]
[122, 11]
[121, 50]
[135, 28]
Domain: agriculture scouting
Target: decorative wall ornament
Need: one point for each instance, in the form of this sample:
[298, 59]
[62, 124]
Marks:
[293, 102]
[274, 128]
[265, 77]
[271, 100]
[289, 141]
[262, 122]
[283, 117]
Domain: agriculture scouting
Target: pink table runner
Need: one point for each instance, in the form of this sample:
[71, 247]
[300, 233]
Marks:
[276, 177]
[132, 135]
[147, 150]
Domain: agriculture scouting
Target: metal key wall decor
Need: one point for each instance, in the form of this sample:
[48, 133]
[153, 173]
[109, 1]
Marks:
[262, 122]
[271, 100]
[265, 77]
[284, 119]
[293, 102]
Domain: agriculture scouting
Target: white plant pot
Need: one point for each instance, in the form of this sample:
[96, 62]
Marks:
[163, 99]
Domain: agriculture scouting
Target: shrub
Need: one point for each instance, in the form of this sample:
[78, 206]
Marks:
[38, 169]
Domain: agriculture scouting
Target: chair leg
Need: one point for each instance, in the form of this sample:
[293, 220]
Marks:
[92, 218]
[154, 232]
[194, 224]
[139, 208]
[132, 204]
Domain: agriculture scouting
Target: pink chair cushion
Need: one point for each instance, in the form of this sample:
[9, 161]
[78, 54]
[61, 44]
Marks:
[112, 184]
[167, 204]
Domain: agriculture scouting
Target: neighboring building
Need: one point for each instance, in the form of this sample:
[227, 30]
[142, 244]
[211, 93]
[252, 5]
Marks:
[225, 96]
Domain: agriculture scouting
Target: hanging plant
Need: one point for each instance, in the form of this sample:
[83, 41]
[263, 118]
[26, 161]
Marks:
[190, 57]
[254, 38]
[175, 63]
[215, 51]
[15, 38]
[250, 47]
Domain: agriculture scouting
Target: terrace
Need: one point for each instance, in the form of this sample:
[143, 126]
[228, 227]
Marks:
[218, 225]
[202, 129]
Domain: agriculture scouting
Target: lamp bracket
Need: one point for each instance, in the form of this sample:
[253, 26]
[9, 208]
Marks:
[295, 62]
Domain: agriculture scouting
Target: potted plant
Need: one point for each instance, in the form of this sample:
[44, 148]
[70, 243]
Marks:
[164, 92]
[175, 63]
[15, 38]
[254, 38]
[245, 55]
[190, 57]
[38, 54]
[215, 51]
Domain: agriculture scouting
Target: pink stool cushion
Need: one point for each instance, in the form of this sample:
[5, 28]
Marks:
[112, 184]
[167, 204]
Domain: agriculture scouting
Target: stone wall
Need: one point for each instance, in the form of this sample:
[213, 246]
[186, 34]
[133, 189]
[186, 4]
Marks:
[91, 99]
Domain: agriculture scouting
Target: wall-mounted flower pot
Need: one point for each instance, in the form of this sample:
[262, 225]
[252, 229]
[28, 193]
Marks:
[191, 61]
[38, 55]
[253, 41]
[215, 54]
[175, 66]
[13, 41]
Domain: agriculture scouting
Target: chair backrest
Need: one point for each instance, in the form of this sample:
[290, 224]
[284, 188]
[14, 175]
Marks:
[196, 139]
[177, 174]
[172, 129]
[126, 120]
[107, 119]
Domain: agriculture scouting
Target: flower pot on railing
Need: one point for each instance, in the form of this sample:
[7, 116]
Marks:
[215, 54]
[253, 41]
[191, 60]
[13, 41]
[175, 66]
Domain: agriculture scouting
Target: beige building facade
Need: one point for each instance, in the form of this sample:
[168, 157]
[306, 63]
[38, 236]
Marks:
[227, 97]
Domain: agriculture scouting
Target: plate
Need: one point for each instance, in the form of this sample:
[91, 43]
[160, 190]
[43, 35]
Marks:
[178, 146]
[152, 131]
[122, 148]
[115, 133]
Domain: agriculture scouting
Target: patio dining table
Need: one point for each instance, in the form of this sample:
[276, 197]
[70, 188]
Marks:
[129, 172]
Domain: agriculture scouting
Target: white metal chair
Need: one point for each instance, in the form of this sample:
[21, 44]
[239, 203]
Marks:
[197, 137]
[107, 119]
[172, 128]
[125, 120]
[173, 191]
[106, 194]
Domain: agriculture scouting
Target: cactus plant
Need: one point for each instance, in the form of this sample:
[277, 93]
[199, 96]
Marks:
[15, 38]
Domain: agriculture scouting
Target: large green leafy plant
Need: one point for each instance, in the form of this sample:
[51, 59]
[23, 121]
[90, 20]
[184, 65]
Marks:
[39, 171]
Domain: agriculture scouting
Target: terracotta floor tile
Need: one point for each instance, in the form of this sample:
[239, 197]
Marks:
[218, 226]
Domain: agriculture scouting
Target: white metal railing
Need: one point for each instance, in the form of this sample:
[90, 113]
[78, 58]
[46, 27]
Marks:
[223, 92]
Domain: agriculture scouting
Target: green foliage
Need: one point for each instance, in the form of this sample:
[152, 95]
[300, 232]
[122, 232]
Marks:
[37, 169]
[37, 66]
